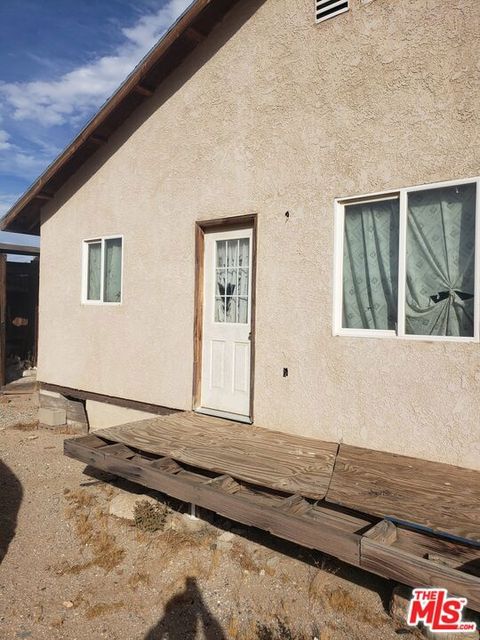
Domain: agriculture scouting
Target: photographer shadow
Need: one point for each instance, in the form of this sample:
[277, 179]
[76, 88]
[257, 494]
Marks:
[184, 613]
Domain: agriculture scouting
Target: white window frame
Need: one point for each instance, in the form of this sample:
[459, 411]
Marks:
[339, 231]
[85, 245]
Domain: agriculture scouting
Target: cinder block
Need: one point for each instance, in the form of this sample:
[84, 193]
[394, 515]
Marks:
[52, 417]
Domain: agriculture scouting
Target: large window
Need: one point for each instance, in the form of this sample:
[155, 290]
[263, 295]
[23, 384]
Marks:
[405, 263]
[102, 270]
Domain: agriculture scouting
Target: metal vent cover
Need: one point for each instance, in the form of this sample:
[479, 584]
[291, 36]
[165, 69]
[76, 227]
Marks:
[325, 9]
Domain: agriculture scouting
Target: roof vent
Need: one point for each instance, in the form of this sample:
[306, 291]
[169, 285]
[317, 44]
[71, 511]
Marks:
[325, 9]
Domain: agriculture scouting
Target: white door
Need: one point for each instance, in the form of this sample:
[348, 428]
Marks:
[226, 348]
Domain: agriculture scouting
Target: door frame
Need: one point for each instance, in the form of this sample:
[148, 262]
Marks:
[202, 227]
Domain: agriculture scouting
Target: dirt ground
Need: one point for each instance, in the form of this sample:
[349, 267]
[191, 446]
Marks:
[72, 571]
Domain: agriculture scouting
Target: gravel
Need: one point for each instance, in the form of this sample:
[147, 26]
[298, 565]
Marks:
[18, 410]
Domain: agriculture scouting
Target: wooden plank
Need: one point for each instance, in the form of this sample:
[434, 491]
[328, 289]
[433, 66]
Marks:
[442, 497]
[397, 564]
[198, 315]
[81, 394]
[280, 461]
[225, 483]
[166, 464]
[3, 309]
[383, 532]
[337, 541]
[118, 450]
[296, 505]
[424, 545]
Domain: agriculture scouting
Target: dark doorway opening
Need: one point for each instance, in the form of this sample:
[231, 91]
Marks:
[18, 316]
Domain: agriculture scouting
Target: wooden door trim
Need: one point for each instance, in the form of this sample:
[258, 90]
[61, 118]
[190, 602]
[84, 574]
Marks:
[201, 227]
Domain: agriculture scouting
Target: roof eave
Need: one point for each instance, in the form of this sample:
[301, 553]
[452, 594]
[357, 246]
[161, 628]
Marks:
[24, 215]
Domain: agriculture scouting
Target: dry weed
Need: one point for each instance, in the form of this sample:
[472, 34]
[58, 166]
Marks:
[91, 526]
[281, 630]
[241, 556]
[320, 580]
[174, 541]
[342, 602]
[233, 628]
[102, 609]
[138, 578]
[26, 426]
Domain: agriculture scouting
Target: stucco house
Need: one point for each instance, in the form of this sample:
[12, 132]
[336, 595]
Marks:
[274, 220]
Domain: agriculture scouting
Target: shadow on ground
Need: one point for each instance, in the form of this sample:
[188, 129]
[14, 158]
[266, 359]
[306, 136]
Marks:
[11, 494]
[183, 615]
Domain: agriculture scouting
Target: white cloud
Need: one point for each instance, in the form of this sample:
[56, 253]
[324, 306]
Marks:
[6, 201]
[4, 137]
[77, 93]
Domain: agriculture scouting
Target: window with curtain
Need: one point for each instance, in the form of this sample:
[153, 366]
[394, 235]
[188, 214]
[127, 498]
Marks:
[103, 270]
[440, 269]
[370, 265]
[408, 263]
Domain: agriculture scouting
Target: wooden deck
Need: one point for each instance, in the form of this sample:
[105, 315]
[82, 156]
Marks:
[267, 458]
[409, 520]
[438, 496]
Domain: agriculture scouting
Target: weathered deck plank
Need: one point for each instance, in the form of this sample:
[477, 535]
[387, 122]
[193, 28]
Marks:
[442, 497]
[276, 460]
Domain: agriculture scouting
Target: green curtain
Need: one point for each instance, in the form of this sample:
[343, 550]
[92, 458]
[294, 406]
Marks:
[113, 270]
[370, 265]
[441, 261]
[94, 270]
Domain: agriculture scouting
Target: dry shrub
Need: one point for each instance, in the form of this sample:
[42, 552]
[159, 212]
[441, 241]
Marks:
[150, 517]
[102, 609]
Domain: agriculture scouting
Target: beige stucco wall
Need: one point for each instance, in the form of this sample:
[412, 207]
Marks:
[275, 113]
[102, 415]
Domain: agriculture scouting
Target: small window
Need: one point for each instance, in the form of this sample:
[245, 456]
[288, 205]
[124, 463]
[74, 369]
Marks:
[103, 270]
[325, 9]
[407, 263]
[232, 280]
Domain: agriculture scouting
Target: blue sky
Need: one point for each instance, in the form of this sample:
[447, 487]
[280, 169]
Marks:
[59, 61]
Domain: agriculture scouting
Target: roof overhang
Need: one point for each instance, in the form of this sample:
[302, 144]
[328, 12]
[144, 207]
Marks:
[179, 41]
[18, 249]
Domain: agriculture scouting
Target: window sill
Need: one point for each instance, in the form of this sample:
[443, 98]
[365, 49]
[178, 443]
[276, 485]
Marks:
[374, 333]
[95, 303]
